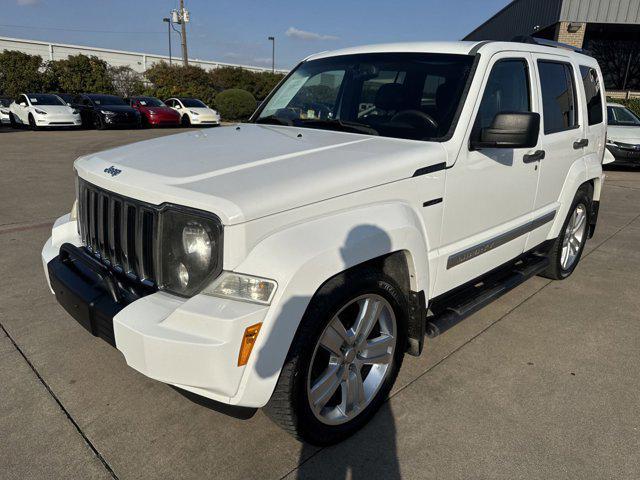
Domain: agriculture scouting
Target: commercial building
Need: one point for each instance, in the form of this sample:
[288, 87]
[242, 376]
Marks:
[136, 60]
[608, 29]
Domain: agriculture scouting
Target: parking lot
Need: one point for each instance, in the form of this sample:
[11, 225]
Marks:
[541, 384]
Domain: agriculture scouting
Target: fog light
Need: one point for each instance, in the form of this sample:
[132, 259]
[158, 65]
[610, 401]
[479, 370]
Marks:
[183, 275]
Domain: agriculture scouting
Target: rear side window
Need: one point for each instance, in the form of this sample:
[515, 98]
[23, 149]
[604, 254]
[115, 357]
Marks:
[558, 96]
[507, 90]
[593, 94]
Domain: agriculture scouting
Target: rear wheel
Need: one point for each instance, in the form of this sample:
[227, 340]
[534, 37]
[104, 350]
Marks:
[186, 121]
[343, 360]
[568, 247]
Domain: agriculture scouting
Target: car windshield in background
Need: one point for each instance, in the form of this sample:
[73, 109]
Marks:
[192, 103]
[150, 102]
[622, 116]
[403, 95]
[5, 102]
[106, 100]
[44, 99]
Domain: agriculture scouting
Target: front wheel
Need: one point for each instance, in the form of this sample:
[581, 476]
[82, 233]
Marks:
[344, 359]
[568, 247]
[12, 121]
[32, 123]
[186, 121]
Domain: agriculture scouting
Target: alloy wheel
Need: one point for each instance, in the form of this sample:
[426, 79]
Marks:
[352, 359]
[573, 237]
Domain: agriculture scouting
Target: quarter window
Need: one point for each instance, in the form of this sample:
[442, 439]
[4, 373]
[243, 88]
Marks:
[593, 94]
[558, 96]
[507, 90]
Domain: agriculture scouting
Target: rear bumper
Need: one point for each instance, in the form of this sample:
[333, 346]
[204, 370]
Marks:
[190, 343]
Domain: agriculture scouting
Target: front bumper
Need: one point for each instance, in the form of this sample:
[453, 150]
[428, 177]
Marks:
[630, 154]
[58, 121]
[205, 120]
[190, 343]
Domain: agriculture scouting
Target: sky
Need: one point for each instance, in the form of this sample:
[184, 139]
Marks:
[236, 31]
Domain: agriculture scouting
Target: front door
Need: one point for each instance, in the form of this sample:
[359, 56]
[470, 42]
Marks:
[490, 192]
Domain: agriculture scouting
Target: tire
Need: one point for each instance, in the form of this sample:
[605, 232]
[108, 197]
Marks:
[32, 123]
[561, 266]
[290, 405]
[98, 122]
[186, 121]
[12, 121]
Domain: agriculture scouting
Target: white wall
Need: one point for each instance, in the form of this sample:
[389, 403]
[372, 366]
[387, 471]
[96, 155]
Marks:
[138, 61]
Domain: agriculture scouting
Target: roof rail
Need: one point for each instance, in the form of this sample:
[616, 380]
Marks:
[548, 43]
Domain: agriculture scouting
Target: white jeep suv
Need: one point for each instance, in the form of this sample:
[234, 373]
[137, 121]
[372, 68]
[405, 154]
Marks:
[378, 196]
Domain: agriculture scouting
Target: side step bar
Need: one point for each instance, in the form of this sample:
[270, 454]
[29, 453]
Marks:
[451, 310]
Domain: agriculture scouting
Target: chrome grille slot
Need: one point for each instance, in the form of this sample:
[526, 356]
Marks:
[119, 231]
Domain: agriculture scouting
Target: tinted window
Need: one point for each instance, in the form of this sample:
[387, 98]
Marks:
[507, 90]
[44, 99]
[107, 100]
[5, 102]
[193, 103]
[558, 96]
[593, 94]
[148, 101]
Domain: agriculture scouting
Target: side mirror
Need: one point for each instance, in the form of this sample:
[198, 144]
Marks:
[23, 104]
[509, 130]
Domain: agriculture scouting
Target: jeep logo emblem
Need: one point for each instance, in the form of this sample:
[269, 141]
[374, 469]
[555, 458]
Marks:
[113, 171]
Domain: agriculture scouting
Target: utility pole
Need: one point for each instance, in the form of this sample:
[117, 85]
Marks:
[184, 18]
[273, 54]
[168, 21]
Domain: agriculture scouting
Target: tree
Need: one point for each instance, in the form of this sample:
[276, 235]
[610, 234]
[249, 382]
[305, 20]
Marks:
[80, 73]
[126, 81]
[20, 72]
[180, 81]
[259, 84]
[614, 57]
[235, 104]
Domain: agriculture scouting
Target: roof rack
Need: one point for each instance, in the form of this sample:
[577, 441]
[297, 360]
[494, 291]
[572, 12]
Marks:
[548, 43]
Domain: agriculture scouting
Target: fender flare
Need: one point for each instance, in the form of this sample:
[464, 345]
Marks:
[303, 257]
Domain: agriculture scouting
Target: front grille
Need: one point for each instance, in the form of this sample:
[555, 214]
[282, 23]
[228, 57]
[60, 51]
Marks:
[121, 232]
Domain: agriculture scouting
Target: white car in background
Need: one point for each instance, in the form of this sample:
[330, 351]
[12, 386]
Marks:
[193, 111]
[623, 134]
[4, 110]
[39, 110]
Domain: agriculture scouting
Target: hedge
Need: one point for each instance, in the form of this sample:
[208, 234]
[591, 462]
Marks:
[235, 104]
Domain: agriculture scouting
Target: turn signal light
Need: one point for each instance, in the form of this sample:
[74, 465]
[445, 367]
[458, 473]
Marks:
[248, 341]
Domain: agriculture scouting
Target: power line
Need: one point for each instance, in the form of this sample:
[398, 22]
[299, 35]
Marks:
[81, 30]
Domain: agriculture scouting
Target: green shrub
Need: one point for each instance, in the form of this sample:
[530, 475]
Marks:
[80, 73]
[259, 84]
[21, 72]
[179, 81]
[235, 104]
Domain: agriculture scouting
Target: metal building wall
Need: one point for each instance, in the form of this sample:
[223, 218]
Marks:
[518, 18]
[601, 11]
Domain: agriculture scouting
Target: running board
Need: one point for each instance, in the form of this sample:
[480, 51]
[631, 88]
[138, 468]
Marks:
[451, 310]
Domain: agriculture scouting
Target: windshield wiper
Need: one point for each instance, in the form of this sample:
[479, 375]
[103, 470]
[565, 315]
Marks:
[340, 125]
[273, 120]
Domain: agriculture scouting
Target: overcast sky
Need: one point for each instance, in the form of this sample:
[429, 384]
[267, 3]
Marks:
[236, 31]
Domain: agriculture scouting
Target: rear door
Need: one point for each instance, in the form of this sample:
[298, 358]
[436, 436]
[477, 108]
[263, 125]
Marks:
[563, 135]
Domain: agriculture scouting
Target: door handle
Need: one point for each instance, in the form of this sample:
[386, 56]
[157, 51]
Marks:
[533, 157]
[580, 144]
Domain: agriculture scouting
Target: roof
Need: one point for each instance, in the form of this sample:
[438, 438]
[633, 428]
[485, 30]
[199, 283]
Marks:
[459, 48]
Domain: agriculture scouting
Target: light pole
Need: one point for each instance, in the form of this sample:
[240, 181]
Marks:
[184, 18]
[168, 21]
[273, 54]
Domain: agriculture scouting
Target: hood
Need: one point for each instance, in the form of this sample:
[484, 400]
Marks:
[116, 108]
[625, 134]
[249, 171]
[55, 109]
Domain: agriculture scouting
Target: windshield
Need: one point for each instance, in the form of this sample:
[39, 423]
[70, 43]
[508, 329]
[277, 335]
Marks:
[622, 116]
[5, 102]
[150, 102]
[106, 100]
[402, 95]
[192, 103]
[44, 99]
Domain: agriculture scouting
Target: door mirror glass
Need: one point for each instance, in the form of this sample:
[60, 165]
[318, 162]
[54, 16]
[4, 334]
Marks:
[510, 130]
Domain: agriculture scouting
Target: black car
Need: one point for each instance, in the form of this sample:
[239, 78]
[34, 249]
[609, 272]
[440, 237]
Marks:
[105, 111]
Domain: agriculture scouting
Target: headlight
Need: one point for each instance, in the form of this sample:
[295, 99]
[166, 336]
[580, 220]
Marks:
[107, 112]
[242, 287]
[74, 112]
[191, 250]
[194, 113]
[4, 112]
[40, 112]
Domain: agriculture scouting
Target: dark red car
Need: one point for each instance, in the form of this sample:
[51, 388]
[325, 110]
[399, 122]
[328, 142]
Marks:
[154, 112]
